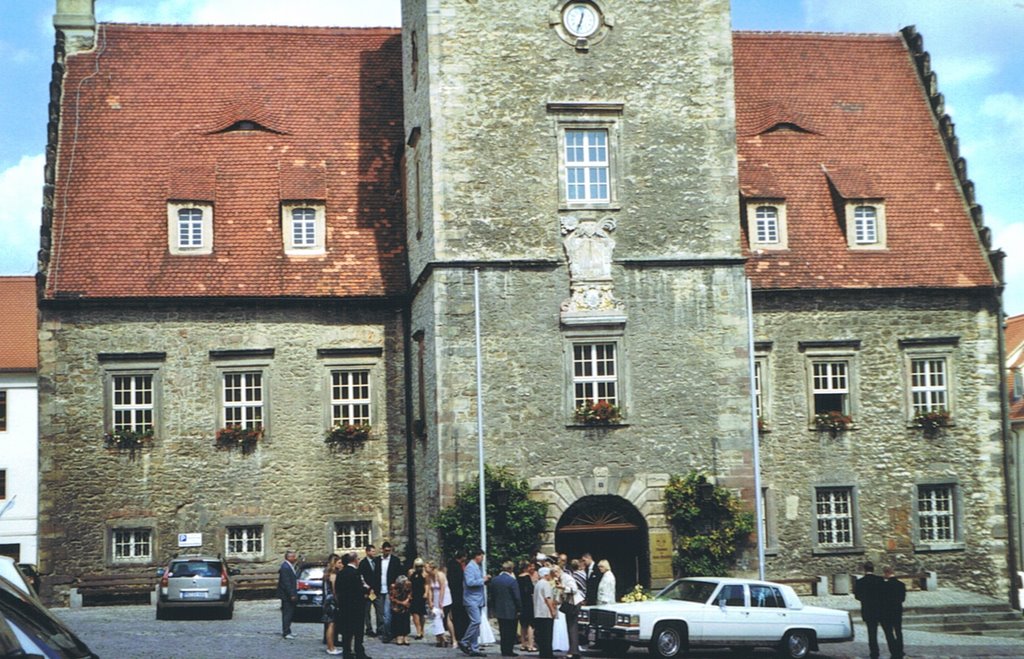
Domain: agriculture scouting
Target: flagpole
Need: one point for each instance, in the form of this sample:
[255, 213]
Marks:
[758, 504]
[480, 414]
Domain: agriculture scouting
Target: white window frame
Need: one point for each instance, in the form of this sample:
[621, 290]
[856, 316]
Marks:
[252, 408]
[134, 366]
[583, 149]
[581, 336]
[857, 235]
[588, 116]
[351, 396]
[925, 396]
[141, 414]
[138, 541]
[351, 535]
[251, 537]
[762, 389]
[830, 377]
[755, 212]
[312, 229]
[594, 386]
[838, 526]
[174, 244]
[939, 526]
[368, 360]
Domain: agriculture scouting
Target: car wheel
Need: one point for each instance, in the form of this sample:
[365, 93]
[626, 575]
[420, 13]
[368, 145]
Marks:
[796, 644]
[669, 640]
[161, 614]
[228, 613]
[615, 648]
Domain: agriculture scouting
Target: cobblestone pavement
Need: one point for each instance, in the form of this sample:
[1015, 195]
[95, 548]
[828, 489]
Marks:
[127, 632]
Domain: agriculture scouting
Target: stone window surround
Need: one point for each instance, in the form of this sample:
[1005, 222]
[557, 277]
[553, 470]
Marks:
[770, 513]
[352, 359]
[131, 363]
[929, 348]
[130, 523]
[589, 116]
[849, 209]
[832, 351]
[318, 248]
[257, 360]
[751, 206]
[958, 544]
[333, 524]
[173, 206]
[235, 521]
[857, 547]
[762, 362]
[596, 334]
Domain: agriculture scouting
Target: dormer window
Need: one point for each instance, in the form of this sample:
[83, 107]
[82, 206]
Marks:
[865, 225]
[303, 228]
[190, 227]
[766, 222]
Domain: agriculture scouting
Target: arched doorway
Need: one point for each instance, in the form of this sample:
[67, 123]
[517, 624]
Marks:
[608, 527]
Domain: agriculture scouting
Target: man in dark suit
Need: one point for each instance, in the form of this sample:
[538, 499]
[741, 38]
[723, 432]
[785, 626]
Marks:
[869, 592]
[386, 569]
[366, 572]
[288, 592]
[456, 572]
[507, 605]
[350, 595]
[893, 594]
[593, 578]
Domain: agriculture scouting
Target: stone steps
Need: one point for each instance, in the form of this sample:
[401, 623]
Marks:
[972, 619]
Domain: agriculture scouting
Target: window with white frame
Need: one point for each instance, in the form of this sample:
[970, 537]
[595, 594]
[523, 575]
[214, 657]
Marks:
[132, 544]
[132, 405]
[304, 228]
[350, 536]
[759, 390]
[834, 517]
[928, 384]
[190, 227]
[830, 386]
[595, 375]
[244, 540]
[350, 397]
[766, 224]
[243, 399]
[936, 513]
[865, 224]
[587, 166]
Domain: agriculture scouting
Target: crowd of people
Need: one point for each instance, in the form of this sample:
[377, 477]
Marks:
[536, 603]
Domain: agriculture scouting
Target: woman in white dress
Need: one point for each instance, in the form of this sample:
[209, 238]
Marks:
[560, 633]
[437, 588]
[606, 588]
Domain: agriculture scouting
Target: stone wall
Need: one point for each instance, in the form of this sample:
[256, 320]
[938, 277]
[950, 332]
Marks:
[292, 483]
[884, 457]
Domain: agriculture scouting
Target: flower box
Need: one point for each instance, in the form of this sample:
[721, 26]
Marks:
[233, 437]
[932, 422]
[833, 422]
[598, 413]
[128, 440]
[344, 433]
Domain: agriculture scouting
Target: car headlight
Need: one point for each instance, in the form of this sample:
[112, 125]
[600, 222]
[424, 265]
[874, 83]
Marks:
[627, 620]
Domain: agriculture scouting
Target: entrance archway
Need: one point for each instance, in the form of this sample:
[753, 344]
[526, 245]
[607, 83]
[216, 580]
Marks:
[608, 527]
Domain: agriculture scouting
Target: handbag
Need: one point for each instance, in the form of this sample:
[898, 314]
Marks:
[567, 605]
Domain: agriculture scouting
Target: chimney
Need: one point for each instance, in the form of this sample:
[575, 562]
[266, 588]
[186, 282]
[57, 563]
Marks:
[77, 20]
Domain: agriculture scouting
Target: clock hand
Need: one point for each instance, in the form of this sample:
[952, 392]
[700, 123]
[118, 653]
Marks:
[580, 24]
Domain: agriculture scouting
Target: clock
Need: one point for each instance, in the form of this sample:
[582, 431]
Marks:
[581, 19]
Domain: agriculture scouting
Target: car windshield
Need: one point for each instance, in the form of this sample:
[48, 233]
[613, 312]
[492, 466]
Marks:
[196, 569]
[312, 574]
[688, 591]
[30, 619]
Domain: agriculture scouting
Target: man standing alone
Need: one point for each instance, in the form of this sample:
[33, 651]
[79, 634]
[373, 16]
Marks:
[869, 592]
[287, 591]
[507, 605]
[893, 594]
[386, 569]
[593, 578]
[474, 599]
[351, 598]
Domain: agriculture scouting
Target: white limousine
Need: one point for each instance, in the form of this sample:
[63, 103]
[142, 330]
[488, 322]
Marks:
[717, 612]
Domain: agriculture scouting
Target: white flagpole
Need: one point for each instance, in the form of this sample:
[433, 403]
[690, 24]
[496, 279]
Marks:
[758, 504]
[480, 414]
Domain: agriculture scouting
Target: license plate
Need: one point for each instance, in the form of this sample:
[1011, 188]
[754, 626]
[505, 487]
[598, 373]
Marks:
[194, 594]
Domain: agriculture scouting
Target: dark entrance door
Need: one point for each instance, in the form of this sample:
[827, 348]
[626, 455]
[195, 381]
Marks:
[611, 528]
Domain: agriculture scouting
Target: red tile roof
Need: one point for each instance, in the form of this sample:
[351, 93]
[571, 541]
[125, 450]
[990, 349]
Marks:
[18, 347]
[154, 105]
[850, 109]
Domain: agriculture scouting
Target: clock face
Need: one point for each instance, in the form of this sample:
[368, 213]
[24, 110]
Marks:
[580, 20]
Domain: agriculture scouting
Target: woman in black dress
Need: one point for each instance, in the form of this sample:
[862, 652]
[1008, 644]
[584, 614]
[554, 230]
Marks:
[418, 608]
[526, 579]
[400, 596]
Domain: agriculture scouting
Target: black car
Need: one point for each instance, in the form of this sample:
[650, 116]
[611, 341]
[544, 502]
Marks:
[311, 589]
[28, 628]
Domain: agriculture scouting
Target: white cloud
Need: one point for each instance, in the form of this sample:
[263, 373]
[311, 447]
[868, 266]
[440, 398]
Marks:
[1008, 109]
[21, 191]
[960, 69]
[256, 12]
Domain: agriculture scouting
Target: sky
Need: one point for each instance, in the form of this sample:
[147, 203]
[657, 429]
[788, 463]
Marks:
[976, 47]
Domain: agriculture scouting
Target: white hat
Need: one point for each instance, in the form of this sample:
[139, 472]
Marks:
[544, 571]
[541, 557]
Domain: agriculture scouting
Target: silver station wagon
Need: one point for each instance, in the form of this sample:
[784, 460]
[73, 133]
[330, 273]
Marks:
[196, 583]
[717, 612]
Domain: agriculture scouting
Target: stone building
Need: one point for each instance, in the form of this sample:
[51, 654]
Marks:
[19, 422]
[317, 239]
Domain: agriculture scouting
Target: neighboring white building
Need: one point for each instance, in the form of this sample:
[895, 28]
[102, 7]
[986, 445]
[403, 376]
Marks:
[19, 420]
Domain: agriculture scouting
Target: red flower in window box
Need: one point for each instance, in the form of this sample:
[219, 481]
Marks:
[123, 439]
[834, 422]
[234, 436]
[932, 422]
[347, 432]
[598, 413]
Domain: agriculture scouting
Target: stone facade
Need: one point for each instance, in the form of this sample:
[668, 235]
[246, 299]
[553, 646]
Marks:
[292, 484]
